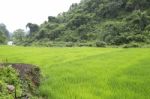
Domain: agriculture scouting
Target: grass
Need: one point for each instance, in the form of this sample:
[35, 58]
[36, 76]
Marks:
[87, 73]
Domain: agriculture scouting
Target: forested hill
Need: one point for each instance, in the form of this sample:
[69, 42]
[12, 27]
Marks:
[111, 22]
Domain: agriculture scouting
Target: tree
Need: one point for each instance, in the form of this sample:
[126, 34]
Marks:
[78, 20]
[2, 38]
[4, 30]
[33, 28]
[139, 19]
[137, 4]
[73, 6]
[52, 19]
[18, 36]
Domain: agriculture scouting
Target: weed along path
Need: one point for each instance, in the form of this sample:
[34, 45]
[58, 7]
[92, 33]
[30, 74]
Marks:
[87, 73]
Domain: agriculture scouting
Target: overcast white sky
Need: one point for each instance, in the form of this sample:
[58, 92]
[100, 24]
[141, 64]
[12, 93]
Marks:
[17, 13]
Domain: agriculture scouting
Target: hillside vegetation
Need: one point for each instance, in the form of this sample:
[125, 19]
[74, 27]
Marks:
[93, 23]
[87, 73]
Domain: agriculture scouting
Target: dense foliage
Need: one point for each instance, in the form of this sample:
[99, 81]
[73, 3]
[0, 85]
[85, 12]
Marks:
[9, 76]
[18, 81]
[4, 34]
[114, 22]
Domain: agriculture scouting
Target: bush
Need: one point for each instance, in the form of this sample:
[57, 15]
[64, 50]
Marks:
[100, 44]
[69, 44]
[85, 44]
[25, 78]
[132, 45]
[9, 76]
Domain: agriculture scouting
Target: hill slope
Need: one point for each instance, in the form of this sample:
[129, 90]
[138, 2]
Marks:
[114, 22]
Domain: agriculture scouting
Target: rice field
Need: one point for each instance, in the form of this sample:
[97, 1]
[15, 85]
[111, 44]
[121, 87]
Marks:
[87, 73]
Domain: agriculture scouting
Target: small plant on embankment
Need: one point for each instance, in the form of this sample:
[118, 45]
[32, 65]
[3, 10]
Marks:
[19, 81]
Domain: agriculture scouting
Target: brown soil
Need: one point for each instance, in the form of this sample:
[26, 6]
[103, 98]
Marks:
[26, 70]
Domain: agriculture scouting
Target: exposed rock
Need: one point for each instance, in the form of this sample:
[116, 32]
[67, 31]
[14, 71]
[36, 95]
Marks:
[10, 88]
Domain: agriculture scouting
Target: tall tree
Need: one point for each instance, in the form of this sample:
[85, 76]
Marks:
[33, 28]
[2, 38]
[4, 30]
[18, 36]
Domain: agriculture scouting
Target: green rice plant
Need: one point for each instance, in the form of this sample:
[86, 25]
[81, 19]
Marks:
[87, 73]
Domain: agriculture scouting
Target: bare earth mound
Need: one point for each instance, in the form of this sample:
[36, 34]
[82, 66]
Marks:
[29, 75]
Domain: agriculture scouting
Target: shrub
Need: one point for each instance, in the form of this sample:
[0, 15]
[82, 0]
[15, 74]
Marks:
[85, 44]
[132, 45]
[9, 76]
[100, 44]
[69, 44]
[25, 78]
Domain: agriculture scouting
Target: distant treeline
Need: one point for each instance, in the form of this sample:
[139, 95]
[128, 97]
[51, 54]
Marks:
[92, 23]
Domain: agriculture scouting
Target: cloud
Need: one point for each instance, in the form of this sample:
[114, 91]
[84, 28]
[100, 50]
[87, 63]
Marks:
[17, 13]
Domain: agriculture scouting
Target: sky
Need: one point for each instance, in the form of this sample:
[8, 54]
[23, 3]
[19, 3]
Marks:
[15, 14]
